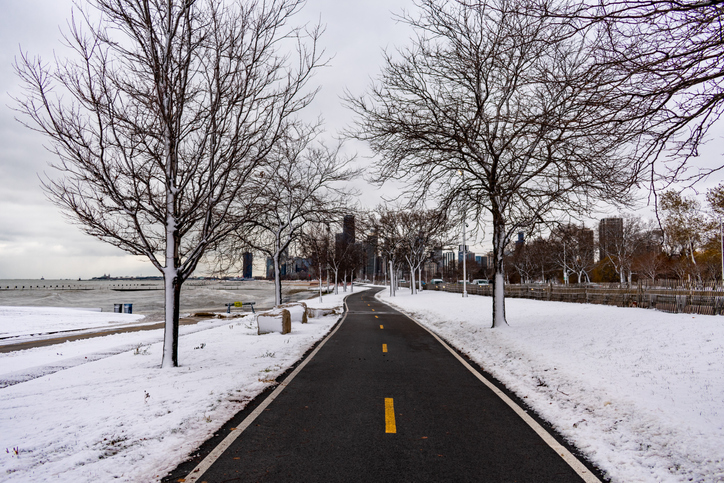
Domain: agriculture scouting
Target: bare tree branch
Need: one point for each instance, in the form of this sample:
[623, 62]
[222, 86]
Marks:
[162, 117]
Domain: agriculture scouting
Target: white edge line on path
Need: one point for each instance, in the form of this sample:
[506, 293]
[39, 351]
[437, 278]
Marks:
[567, 456]
[206, 463]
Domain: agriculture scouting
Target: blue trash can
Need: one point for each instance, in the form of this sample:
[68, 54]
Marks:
[127, 308]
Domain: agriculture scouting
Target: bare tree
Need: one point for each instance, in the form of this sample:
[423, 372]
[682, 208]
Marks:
[650, 264]
[523, 261]
[343, 257]
[623, 246]
[538, 255]
[164, 118]
[506, 99]
[420, 230]
[315, 244]
[665, 58]
[392, 238]
[305, 183]
[683, 224]
[572, 249]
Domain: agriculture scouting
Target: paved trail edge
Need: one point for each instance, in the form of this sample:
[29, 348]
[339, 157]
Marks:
[567, 456]
[206, 463]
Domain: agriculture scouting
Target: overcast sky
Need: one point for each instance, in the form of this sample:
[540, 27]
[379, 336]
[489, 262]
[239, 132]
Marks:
[36, 240]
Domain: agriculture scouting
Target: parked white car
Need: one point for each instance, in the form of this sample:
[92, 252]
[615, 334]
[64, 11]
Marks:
[481, 281]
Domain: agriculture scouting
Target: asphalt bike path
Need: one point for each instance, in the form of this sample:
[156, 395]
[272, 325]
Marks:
[384, 400]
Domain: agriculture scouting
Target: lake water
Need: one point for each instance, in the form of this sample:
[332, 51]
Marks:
[146, 295]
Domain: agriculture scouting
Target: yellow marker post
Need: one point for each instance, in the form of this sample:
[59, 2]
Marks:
[390, 426]
[384, 347]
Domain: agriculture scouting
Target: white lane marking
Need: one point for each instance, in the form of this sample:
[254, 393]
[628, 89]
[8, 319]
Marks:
[567, 456]
[206, 463]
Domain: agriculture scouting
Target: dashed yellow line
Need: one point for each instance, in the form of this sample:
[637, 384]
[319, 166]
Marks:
[384, 347]
[382, 326]
[376, 317]
[390, 426]
[373, 310]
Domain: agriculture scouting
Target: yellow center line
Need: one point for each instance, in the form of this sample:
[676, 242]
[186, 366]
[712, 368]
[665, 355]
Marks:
[384, 347]
[368, 305]
[373, 310]
[376, 317]
[390, 426]
[382, 326]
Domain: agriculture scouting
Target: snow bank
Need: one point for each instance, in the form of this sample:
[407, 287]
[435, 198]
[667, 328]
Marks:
[639, 392]
[122, 418]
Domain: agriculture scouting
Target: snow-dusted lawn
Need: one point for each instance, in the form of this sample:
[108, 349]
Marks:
[18, 323]
[117, 417]
[640, 392]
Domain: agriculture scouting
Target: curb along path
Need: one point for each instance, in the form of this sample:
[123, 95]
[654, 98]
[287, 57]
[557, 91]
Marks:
[383, 399]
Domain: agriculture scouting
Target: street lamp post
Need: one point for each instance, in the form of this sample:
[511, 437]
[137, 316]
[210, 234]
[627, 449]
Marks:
[465, 273]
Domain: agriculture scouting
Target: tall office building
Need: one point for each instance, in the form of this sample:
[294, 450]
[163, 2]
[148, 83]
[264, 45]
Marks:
[586, 247]
[348, 228]
[372, 267]
[610, 234]
[469, 256]
[247, 260]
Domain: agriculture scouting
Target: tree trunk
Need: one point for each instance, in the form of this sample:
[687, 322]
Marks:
[419, 278]
[498, 266]
[172, 292]
[320, 282]
[412, 279]
[392, 279]
[336, 283]
[277, 280]
[385, 267]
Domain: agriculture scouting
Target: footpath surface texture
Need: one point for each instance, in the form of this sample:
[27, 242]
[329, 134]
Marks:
[334, 422]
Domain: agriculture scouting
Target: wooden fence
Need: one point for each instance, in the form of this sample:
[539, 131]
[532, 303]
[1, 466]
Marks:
[702, 299]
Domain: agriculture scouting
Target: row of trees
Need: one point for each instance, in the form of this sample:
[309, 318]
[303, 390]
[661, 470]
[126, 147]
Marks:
[177, 135]
[395, 240]
[686, 243]
[518, 113]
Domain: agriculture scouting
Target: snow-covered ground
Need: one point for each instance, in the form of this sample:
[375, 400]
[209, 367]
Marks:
[101, 409]
[21, 323]
[639, 392]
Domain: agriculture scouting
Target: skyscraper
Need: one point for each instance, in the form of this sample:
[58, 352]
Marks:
[610, 234]
[247, 261]
[348, 228]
